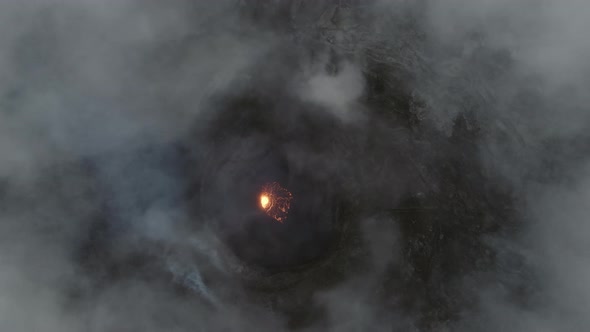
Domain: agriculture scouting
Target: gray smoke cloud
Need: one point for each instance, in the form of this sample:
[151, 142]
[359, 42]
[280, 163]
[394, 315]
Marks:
[95, 80]
[85, 85]
[540, 104]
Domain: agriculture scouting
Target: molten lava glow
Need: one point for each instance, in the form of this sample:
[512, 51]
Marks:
[275, 201]
[264, 201]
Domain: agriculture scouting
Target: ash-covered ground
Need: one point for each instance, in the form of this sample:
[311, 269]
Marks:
[437, 154]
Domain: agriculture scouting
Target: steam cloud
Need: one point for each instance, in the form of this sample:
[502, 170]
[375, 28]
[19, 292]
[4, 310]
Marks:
[85, 85]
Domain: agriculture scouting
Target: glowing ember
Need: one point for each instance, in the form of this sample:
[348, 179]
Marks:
[275, 201]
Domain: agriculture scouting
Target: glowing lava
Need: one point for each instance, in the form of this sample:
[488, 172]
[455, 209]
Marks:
[275, 201]
[264, 201]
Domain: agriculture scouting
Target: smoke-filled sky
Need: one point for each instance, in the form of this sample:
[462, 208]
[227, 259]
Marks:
[133, 132]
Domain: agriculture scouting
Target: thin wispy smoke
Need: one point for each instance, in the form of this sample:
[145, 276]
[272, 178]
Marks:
[94, 81]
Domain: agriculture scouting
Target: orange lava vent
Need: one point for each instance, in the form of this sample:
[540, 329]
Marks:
[275, 201]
